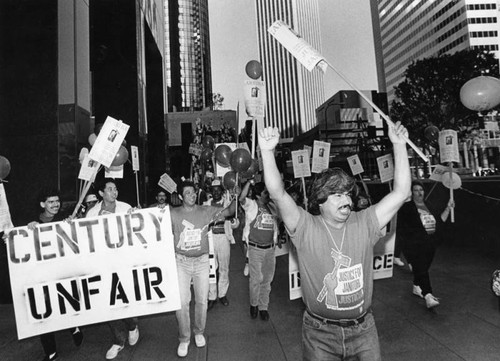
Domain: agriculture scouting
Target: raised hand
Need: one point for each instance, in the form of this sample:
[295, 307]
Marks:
[268, 138]
[397, 133]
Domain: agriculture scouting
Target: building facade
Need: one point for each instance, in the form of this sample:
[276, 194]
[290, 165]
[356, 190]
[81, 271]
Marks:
[411, 30]
[187, 55]
[293, 93]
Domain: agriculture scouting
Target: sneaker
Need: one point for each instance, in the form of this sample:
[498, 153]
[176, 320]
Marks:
[245, 270]
[182, 350]
[113, 352]
[133, 336]
[417, 291]
[397, 261]
[77, 337]
[200, 340]
[431, 301]
[52, 357]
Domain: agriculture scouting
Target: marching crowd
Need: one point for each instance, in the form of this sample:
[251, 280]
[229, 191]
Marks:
[334, 240]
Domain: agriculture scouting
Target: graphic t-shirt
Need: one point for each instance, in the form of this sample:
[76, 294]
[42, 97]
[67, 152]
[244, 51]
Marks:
[190, 228]
[337, 276]
[427, 219]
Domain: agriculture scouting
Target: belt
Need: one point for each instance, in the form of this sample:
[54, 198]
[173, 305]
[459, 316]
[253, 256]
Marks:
[259, 246]
[341, 323]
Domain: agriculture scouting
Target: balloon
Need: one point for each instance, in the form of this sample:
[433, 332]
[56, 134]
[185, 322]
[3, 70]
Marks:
[481, 93]
[4, 167]
[206, 154]
[208, 142]
[229, 180]
[241, 160]
[121, 156]
[92, 138]
[252, 170]
[253, 69]
[223, 155]
[431, 133]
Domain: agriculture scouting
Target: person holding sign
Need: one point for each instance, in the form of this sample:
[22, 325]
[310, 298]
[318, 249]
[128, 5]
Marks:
[261, 235]
[335, 251]
[51, 205]
[190, 223]
[109, 204]
[419, 230]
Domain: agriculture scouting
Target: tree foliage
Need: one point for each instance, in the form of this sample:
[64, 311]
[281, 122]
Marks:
[430, 92]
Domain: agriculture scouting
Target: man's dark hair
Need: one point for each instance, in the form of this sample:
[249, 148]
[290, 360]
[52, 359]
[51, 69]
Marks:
[102, 183]
[258, 189]
[330, 181]
[186, 184]
[46, 193]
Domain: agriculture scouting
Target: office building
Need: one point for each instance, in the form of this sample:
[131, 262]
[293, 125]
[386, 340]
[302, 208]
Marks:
[187, 55]
[411, 30]
[293, 93]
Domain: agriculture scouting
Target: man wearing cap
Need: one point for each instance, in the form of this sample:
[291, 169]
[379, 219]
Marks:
[222, 248]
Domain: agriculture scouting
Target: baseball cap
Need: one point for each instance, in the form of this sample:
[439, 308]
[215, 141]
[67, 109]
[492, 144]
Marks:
[91, 198]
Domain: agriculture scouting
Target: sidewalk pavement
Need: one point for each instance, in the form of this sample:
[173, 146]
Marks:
[466, 326]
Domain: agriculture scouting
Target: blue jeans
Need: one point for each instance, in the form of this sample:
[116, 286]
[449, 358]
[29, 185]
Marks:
[261, 264]
[322, 341]
[195, 269]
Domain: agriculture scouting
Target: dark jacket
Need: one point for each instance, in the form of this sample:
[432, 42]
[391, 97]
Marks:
[410, 230]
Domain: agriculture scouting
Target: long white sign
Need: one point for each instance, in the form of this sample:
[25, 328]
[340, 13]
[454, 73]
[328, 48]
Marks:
[92, 270]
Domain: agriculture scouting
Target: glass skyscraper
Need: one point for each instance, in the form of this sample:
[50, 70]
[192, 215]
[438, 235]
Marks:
[417, 29]
[187, 55]
[293, 93]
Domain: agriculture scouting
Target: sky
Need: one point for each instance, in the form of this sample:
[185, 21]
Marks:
[347, 44]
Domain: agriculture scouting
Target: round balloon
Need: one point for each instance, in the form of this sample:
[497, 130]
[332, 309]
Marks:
[206, 154]
[451, 180]
[208, 142]
[121, 156]
[481, 93]
[223, 155]
[92, 138]
[229, 180]
[241, 160]
[431, 133]
[252, 170]
[4, 167]
[253, 69]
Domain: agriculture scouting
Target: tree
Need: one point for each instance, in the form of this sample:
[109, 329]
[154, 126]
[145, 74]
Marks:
[430, 93]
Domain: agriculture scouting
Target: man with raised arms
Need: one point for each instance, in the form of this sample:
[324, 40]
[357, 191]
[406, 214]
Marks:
[335, 251]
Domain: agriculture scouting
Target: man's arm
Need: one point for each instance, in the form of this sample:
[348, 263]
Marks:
[289, 211]
[390, 204]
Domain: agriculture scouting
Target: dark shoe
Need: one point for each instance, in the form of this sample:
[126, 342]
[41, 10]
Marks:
[77, 337]
[211, 304]
[264, 315]
[224, 301]
[48, 358]
[254, 311]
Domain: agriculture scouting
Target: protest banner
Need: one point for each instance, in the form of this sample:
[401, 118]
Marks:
[255, 98]
[167, 183]
[134, 150]
[321, 156]
[108, 141]
[5, 220]
[92, 270]
[386, 167]
[355, 164]
[300, 163]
